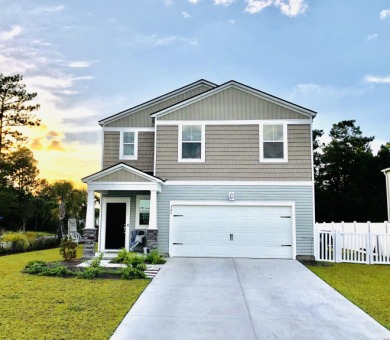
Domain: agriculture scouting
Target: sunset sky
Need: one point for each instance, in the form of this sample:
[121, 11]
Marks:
[91, 59]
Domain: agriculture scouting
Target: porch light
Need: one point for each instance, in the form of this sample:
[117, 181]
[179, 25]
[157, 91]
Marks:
[231, 196]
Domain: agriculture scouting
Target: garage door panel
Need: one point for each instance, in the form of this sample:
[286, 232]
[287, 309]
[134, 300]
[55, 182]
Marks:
[237, 231]
[187, 237]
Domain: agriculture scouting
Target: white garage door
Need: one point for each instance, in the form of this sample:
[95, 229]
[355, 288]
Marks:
[231, 231]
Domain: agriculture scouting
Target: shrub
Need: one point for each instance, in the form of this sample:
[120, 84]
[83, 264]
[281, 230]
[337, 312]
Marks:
[133, 260]
[95, 263]
[57, 270]
[129, 273]
[154, 257]
[35, 267]
[89, 273]
[68, 249]
[121, 257]
[141, 266]
[19, 241]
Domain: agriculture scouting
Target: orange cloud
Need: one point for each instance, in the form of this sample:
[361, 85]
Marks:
[56, 145]
[36, 144]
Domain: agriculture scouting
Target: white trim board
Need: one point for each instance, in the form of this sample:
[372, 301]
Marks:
[128, 129]
[240, 183]
[235, 122]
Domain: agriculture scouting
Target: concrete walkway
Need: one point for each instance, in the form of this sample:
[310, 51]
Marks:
[210, 298]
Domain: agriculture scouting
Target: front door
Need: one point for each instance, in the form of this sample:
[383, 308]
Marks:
[116, 222]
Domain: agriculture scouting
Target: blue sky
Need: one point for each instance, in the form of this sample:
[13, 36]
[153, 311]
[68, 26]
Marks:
[90, 59]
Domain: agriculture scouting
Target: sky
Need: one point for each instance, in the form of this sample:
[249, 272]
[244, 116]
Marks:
[90, 59]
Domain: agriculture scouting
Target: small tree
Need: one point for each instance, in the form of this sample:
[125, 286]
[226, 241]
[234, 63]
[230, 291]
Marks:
[13, 110]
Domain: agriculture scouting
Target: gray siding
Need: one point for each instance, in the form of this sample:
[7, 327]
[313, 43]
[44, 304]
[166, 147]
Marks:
[122, 176]
[142, 117]
[301, 195]
[233, 104]
[145, 161]
[232, 153]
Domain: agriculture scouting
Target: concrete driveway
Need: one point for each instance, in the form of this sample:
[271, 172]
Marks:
[212, 298]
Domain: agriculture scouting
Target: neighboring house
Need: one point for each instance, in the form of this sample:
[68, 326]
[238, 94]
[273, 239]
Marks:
[209, 170]
[386, 172]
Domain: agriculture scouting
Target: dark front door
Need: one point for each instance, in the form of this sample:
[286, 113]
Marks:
[115, 225]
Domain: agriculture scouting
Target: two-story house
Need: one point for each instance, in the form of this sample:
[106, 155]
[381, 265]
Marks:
[210, 170]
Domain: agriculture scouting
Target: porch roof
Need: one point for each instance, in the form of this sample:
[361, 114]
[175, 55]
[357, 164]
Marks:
[122, 177]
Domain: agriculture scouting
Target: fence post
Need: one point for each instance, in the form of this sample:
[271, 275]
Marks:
[369, 249]
[316, 241]
[337, 246]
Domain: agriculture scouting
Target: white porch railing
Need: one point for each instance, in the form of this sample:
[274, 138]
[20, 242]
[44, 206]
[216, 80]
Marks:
[353, 242]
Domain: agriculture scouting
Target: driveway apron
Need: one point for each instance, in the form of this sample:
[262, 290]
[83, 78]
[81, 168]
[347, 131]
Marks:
[225, 298]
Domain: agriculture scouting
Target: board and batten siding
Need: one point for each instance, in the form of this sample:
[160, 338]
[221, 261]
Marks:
[145, 161]
[142, 117]
[301, 195]
[122, 176]
[233, 104]
[232, 153]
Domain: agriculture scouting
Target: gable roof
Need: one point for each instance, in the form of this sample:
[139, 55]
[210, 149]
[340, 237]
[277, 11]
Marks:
[118, 168]
[156, 100]
[240, 86]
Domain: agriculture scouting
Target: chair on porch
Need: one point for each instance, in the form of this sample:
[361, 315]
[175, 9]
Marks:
[73, 234]
[137, 237]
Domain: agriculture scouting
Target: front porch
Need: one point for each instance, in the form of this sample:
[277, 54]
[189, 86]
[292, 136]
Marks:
[128, 206]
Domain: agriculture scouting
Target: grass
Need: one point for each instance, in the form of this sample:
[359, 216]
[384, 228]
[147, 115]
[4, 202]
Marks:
[34, 307]
[367, 286]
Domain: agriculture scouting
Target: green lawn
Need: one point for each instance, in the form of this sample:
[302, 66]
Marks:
[33, 307]
[367, 286]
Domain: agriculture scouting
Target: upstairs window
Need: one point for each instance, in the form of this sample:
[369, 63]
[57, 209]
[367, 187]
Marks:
[128, 145]
[191, 143]
[273, 143]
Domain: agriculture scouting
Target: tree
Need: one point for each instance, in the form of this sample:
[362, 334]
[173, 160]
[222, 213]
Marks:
[349, 183]
[14, 112]
[23, 175]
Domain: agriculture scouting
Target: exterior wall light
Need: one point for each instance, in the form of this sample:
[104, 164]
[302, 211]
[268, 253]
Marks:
[231, 196]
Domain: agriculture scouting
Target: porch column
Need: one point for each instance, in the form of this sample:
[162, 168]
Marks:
[90, 222]
[89, 230]
[153, 210]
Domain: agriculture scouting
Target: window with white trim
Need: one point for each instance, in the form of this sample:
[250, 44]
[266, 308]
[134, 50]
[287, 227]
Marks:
[273, 143]
[142, 211]
[191, 143]
[128, 145]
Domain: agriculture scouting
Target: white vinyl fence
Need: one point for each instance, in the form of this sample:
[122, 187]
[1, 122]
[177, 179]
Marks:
[353, 242]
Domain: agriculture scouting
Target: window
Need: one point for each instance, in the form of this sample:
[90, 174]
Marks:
[128, 145]
[142, 212]
[191, 143]
[273, 143]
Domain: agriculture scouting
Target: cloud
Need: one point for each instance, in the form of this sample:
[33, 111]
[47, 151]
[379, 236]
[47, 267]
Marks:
[384, 14]
[51, 141]
[372, 37]
[171, 40]
[49, 9]
[223, 2]
[80, 64]
[185, 15]
[193, 1]
[56, 145]
[377, 79]
[314, 90]
[231, 21]
[168, 2]
[11, 34]
[290, 8]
